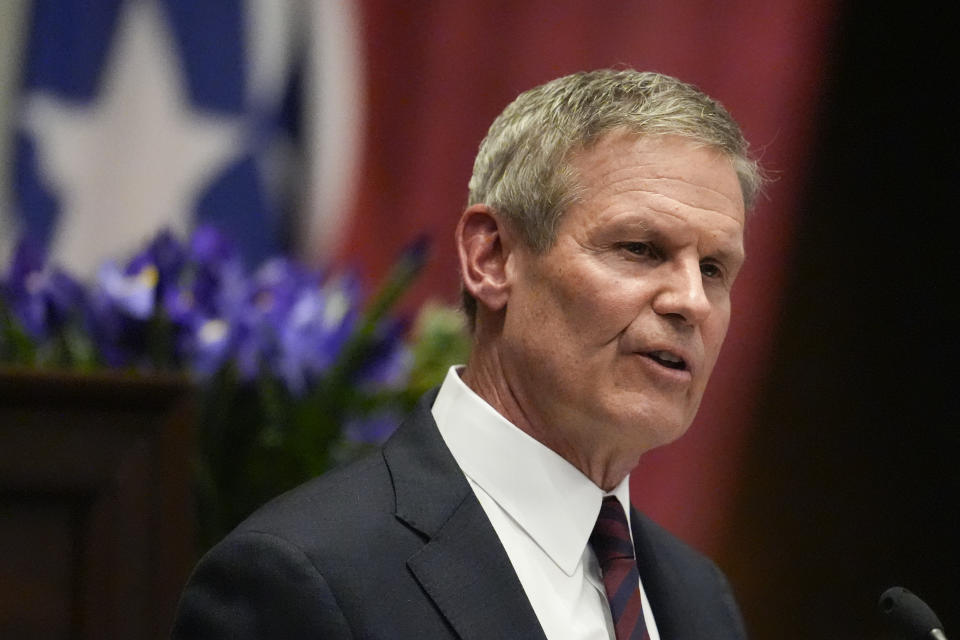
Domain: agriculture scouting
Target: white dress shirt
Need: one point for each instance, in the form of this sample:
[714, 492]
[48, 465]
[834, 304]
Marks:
[542, 508]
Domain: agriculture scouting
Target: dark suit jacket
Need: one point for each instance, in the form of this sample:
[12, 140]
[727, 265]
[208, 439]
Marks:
[397, 546]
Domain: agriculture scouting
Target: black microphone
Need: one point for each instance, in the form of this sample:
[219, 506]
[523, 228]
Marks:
[910, 615]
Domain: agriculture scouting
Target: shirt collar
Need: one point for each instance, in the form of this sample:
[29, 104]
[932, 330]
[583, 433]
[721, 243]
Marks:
[547, 496]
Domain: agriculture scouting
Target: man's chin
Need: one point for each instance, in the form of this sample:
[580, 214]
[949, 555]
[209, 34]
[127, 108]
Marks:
[653, 431]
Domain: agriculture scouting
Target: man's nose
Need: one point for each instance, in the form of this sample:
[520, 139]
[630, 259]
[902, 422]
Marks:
[681, 293]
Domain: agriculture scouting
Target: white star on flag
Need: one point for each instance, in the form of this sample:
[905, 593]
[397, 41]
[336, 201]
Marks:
[136, 158]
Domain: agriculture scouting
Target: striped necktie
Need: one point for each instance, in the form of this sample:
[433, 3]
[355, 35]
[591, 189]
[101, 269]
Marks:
[612, 543]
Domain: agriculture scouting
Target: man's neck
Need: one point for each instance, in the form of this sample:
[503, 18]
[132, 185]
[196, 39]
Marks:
[606, 469]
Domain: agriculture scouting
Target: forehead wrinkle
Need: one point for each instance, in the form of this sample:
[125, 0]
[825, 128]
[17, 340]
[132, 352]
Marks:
[597, 177]
[607, 183]
[654, 202]
[696, 185]
[657, 196]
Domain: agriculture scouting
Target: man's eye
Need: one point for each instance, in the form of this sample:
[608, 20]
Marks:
[711, 270]
[639, 248]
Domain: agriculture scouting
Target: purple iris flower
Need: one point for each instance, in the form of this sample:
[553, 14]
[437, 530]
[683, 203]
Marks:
[206, 344]
[126, 299]
[167, 255]
[315, 330]
[192, 305]
[132, 290]
[42, 298]
[389, 361]
[202, 297]
[216, 276]
[272, 292]
[204, 335]
[276, 286]
[121, 304]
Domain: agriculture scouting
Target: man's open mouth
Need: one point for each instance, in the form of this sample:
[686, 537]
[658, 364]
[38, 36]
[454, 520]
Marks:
[667, 359]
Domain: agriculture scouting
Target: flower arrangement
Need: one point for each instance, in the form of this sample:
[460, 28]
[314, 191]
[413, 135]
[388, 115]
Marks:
[296, 370]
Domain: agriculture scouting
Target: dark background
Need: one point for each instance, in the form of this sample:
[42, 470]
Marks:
[852, 483]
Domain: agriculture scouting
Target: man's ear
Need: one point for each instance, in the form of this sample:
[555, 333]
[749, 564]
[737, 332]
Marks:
[483, 245]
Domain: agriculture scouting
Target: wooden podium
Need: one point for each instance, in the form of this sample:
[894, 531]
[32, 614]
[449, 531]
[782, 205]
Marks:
[96, 520]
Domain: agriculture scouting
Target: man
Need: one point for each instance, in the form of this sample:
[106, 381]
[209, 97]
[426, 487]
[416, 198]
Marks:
[603, 233]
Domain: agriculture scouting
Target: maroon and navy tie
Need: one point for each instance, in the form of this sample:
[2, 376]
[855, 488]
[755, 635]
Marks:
[613, 545]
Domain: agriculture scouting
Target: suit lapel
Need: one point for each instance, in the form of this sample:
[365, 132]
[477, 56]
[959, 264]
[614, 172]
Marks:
[469, 576]
[462, 566]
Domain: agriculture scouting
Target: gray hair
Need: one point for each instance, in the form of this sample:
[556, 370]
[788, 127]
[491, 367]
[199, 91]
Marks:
[522, 171]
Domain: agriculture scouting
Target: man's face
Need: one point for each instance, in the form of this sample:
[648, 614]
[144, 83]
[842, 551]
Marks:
[610, 336]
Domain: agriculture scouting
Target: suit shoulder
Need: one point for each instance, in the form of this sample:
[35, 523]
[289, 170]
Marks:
[255, 585]
[327, 508]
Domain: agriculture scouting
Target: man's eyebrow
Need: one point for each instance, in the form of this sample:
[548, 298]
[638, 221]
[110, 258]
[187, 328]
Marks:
[635, 222]
[728, 255]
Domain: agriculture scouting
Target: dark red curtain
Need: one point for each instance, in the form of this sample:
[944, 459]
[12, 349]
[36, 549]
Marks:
[439, 72]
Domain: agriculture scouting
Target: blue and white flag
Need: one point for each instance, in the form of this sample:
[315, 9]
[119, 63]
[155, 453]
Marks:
[142, 114]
